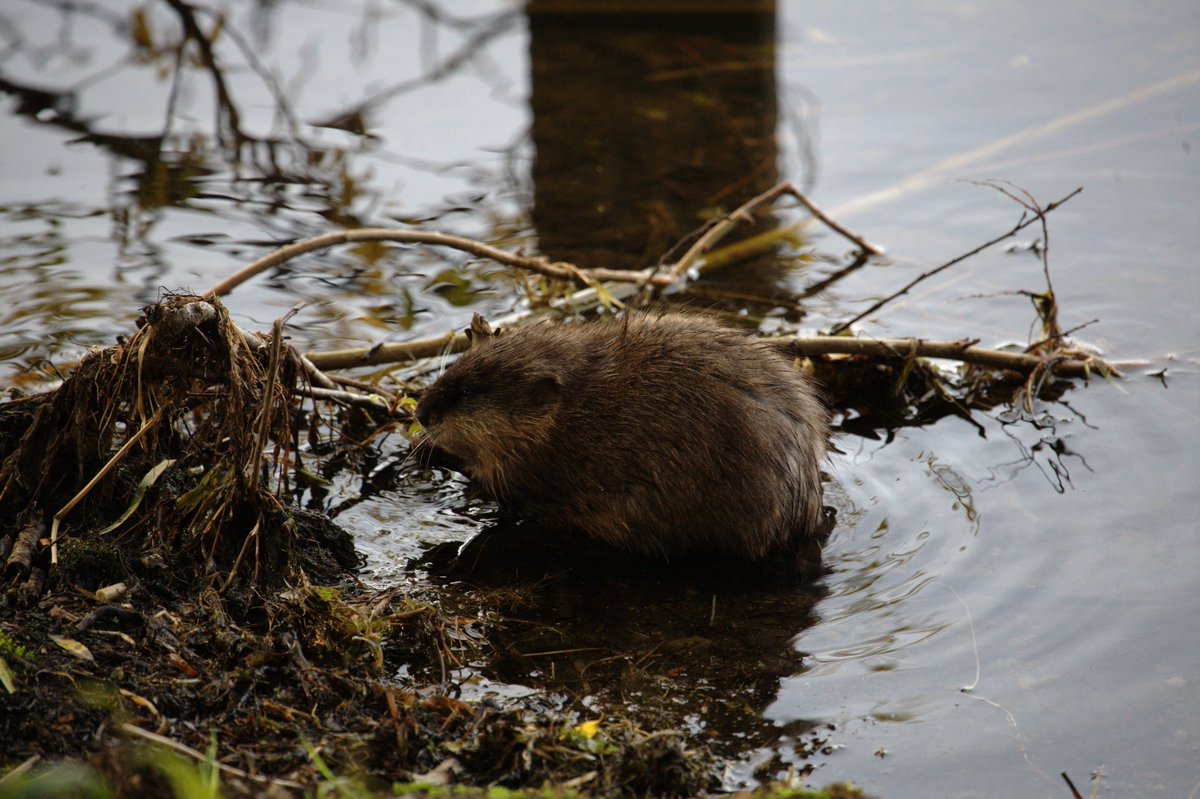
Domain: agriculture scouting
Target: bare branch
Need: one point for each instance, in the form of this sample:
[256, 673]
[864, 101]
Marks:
[833, 225]
[1025, 221]
[1064, 363]
[539, 264]
[401, 352]
[745, 213]
[559, 270]
[1047, 304]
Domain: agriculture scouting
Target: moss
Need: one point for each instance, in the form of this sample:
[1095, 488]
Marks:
[90, 563]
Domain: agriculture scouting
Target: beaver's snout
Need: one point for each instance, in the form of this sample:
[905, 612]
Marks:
[439, 399]
[427, 412]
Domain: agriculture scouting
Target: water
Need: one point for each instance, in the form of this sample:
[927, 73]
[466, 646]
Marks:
[1052, 569]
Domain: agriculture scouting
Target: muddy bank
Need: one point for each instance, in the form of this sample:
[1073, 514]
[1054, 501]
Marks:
[164, 596]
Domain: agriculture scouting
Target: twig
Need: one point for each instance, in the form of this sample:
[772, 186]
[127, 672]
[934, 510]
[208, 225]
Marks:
[1074, 791]
[449, 343]
[362, 385]
[372, 401]
[184, 749]
[846, 233]
[452, 343]
[19, 770]
[745, 213]
[721, 228]
[316, 375]
[1027, 201]
[749, 247]
[237, 562]
[1047, 311]
[268, 399]
[559, 270]
[1035, 346]
[816, 288]
[446, 344]
[1078, 365]
[1024, 222]
[113, 461]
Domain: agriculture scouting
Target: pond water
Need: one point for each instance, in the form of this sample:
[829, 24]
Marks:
[1052, 567]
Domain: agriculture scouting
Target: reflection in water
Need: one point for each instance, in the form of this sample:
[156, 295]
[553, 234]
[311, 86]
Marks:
[1048, 450]
[697, 642]
[955, 484]
[205, 138]
[642, 120]
[868, 618]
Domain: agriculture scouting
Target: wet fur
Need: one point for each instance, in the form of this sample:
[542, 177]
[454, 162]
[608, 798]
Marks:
[658, 434]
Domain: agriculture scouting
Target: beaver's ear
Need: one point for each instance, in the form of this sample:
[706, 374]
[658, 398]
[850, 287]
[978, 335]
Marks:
[480, 330]
[543, 385]
[539, 384]
[549, 382]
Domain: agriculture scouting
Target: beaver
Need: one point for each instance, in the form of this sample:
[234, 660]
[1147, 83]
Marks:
[660, 434]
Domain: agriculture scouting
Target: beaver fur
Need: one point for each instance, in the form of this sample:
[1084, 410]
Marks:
[660, 434]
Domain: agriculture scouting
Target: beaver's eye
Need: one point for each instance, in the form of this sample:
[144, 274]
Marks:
[464, 392]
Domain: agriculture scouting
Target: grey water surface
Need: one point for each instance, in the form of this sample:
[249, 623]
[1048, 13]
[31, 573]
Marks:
[1009, 598]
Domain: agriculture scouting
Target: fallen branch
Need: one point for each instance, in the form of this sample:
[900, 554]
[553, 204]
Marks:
[591, 279]
[1066, 364]
[1035, 366]
[20, 559]
[539, 264]
[559, 270]
[401, 352]
[1063, 363]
